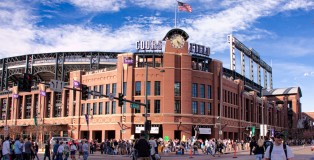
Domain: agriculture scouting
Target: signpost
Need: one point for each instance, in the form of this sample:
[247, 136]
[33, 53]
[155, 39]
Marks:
[136, 106]
[6, 131]
[111, 97]
[56, 85]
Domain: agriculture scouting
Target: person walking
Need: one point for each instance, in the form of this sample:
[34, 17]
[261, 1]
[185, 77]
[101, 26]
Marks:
[55, 150]
[47, 150]
[85, 150]
[259, 150]
[36, 148]
[60, 151]
[143, 148]
[80, 148]
[279, 150]
[6, 149]
[73, 150]
[28, 149]
[252, 144]
[18, 149]
[66, 151]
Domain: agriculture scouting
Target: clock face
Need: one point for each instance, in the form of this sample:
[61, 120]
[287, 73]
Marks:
[177, 41]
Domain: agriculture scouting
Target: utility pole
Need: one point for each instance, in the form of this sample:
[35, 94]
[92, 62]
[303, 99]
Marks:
[220, 103]
[146, 79]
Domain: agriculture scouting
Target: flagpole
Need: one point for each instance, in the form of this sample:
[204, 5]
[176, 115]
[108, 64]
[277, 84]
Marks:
[175, 15]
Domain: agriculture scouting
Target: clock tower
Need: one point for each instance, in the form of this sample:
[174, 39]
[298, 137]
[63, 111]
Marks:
[176, 41]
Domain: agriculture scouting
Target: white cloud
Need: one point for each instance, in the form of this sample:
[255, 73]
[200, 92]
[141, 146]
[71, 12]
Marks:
[298, 4]
[307, 74]
[99, 5]
[158, 5]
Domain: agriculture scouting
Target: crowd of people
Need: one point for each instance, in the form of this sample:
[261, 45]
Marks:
[18, 149]
[266, 148]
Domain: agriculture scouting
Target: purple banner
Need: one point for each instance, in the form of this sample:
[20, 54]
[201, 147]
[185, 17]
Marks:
[43, 93]
[15, 96]
[76, 84]
[86, 118]
[272, 132]
[127, 60]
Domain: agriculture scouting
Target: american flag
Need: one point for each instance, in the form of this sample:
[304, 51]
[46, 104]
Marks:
[184, 7]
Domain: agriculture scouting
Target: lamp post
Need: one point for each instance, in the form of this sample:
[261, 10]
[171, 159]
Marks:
[262, 128]
[146, 101]
[220, 105]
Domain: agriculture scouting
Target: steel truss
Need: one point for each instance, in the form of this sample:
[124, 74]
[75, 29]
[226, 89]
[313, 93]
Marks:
[58, 64]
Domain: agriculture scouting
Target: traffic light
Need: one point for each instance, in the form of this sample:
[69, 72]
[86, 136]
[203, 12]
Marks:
[148, 125]
[26, 84]
[121, 96]
[85, 92]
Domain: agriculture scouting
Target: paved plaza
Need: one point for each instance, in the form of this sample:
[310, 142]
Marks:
[301, 153]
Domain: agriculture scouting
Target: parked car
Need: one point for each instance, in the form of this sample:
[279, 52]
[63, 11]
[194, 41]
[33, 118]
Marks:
[53, 140]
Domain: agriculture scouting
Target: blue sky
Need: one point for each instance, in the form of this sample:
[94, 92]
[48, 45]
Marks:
[281, 31]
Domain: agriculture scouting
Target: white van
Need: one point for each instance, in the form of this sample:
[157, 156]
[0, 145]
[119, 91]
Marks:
[53, 140]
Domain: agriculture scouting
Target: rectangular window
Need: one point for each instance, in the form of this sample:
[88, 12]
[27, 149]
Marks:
[177, 89]
[28, 107]
[157, 106]
[114, 88]
[107, 108]
[95, 89]
[194, 107]
[107, 89]
[3, 108]
[177, 106]
[101, 90]
[113, 107]
[137, 110]
[48, 101]
[124, 88]
[124, 108]
[202, 90]
[89, 95]
[83, 109]
[209, 108]
[124, 93]
[157, 88]
[137, 88]
[194, 90]
[94, 108]
[100, 108]
[57, 110]
[202, 108]
[148, 106]
[148, 88]
[36, 109]
[209, 91]
[88, 109]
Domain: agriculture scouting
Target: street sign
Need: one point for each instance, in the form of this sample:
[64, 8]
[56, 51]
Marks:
[263, 129]
[135, 106]
[6, 128]
[148, 115]
[56, 85]
[111, 97]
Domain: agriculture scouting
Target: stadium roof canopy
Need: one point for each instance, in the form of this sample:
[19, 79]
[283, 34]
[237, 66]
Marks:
[283, 91]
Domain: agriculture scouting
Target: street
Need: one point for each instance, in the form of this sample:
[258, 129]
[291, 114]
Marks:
[300, 153]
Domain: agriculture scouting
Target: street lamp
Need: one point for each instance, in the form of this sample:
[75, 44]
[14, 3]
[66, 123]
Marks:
[146, 101]
[220, 104]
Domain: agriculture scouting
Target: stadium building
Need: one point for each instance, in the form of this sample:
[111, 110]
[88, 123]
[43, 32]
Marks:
[183, 87]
